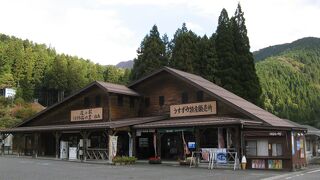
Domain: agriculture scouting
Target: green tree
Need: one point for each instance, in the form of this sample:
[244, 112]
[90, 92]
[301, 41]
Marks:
[151, 55]
[185, 50]
[226, 74]
[247, 79]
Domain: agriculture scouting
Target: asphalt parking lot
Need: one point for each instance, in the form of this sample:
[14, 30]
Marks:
[21, 168]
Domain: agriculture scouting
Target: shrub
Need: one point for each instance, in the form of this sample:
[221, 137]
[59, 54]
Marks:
[124, 160]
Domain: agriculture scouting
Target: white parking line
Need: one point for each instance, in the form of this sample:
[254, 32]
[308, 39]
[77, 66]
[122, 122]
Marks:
[313, 171]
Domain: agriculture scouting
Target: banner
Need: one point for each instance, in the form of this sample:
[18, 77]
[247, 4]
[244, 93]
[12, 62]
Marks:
[275, 164]
[113, 140]
[258, 164]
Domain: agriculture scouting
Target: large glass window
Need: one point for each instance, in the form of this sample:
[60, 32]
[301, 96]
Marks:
[257, 148]
[252, 148]
[262, 148]
[276, 149]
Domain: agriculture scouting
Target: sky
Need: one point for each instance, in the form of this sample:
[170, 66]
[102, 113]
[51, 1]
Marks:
[110, 31]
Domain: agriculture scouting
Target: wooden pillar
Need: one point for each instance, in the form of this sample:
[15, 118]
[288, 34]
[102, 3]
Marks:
[85, 135]
[2, 143]
[197, 138]
[109, 107]
[57, 136]
[133, 136]
[35, 148]
[237, 140]
[159, 135]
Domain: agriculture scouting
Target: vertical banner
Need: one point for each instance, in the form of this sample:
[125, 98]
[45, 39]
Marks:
[292, 142]
[130, 144]
[113, 140]
[220, 138]
[302, 147]
[155, 144]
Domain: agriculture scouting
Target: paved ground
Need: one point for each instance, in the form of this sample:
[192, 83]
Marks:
[12, 168]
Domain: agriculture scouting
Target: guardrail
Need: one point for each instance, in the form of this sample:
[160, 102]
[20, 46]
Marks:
[97, 154]
[216, 158]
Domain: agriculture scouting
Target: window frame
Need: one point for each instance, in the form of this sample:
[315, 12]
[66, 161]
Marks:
[184, 97]
[161, 101]
[98, 100]
[120, 100]
[200, 96]
[86, 102]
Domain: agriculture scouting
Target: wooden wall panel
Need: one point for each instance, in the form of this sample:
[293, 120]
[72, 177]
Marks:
[124, 111]
[165, 84]
[61, 113]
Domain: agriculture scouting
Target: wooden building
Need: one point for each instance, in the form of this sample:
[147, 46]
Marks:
[168, 113]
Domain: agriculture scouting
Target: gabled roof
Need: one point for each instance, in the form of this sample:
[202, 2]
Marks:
[223, 95]
[107, 87]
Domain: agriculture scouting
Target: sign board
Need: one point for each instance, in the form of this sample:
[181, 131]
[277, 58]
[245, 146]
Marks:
[72, 153]
[264, 133]
[221, 155]
[191, 145]
[193, 109]
[175, 130]
[86, 114]
[9, 92]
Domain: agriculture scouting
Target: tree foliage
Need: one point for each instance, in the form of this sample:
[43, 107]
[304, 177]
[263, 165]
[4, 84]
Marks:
[38, 72]
[151, 55]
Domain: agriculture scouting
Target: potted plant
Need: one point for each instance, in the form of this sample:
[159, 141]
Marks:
[155, 160]
[185, 162]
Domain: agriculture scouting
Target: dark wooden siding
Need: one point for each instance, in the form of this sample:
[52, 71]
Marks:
[165, 84]
[124, 111]
[61, 113]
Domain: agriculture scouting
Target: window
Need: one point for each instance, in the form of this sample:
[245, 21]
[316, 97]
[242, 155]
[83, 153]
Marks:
[98, 101]
[276, 150]
[86, 102]
[146, 102]
[184, 97]
[257, 148]
[262, 148]
[200, 96]
[132, 102]
[251, 148]
[120, 100]
[161, 100]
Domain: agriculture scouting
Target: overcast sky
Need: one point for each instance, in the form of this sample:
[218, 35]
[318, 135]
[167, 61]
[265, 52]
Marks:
[110, 31]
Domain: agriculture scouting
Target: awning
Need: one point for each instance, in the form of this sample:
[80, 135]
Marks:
[82, 126]
[195, 121]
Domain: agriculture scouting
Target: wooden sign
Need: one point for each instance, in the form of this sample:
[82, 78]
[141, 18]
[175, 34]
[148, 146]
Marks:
[194, 109]
[86, 114]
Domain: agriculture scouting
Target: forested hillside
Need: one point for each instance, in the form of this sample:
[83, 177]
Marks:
[290, 81]
[38, 72]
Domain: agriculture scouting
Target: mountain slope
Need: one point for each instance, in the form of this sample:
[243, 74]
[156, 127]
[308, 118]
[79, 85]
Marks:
[125, 64]
[304, 43]
[290, 80]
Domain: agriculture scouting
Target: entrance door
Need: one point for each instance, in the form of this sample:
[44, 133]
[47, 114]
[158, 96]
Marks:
[144, 146]
[171, 146]
[28, 145]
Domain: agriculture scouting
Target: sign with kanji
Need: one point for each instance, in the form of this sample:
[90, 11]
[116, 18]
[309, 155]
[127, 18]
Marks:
[86, 114]
[194, 109]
